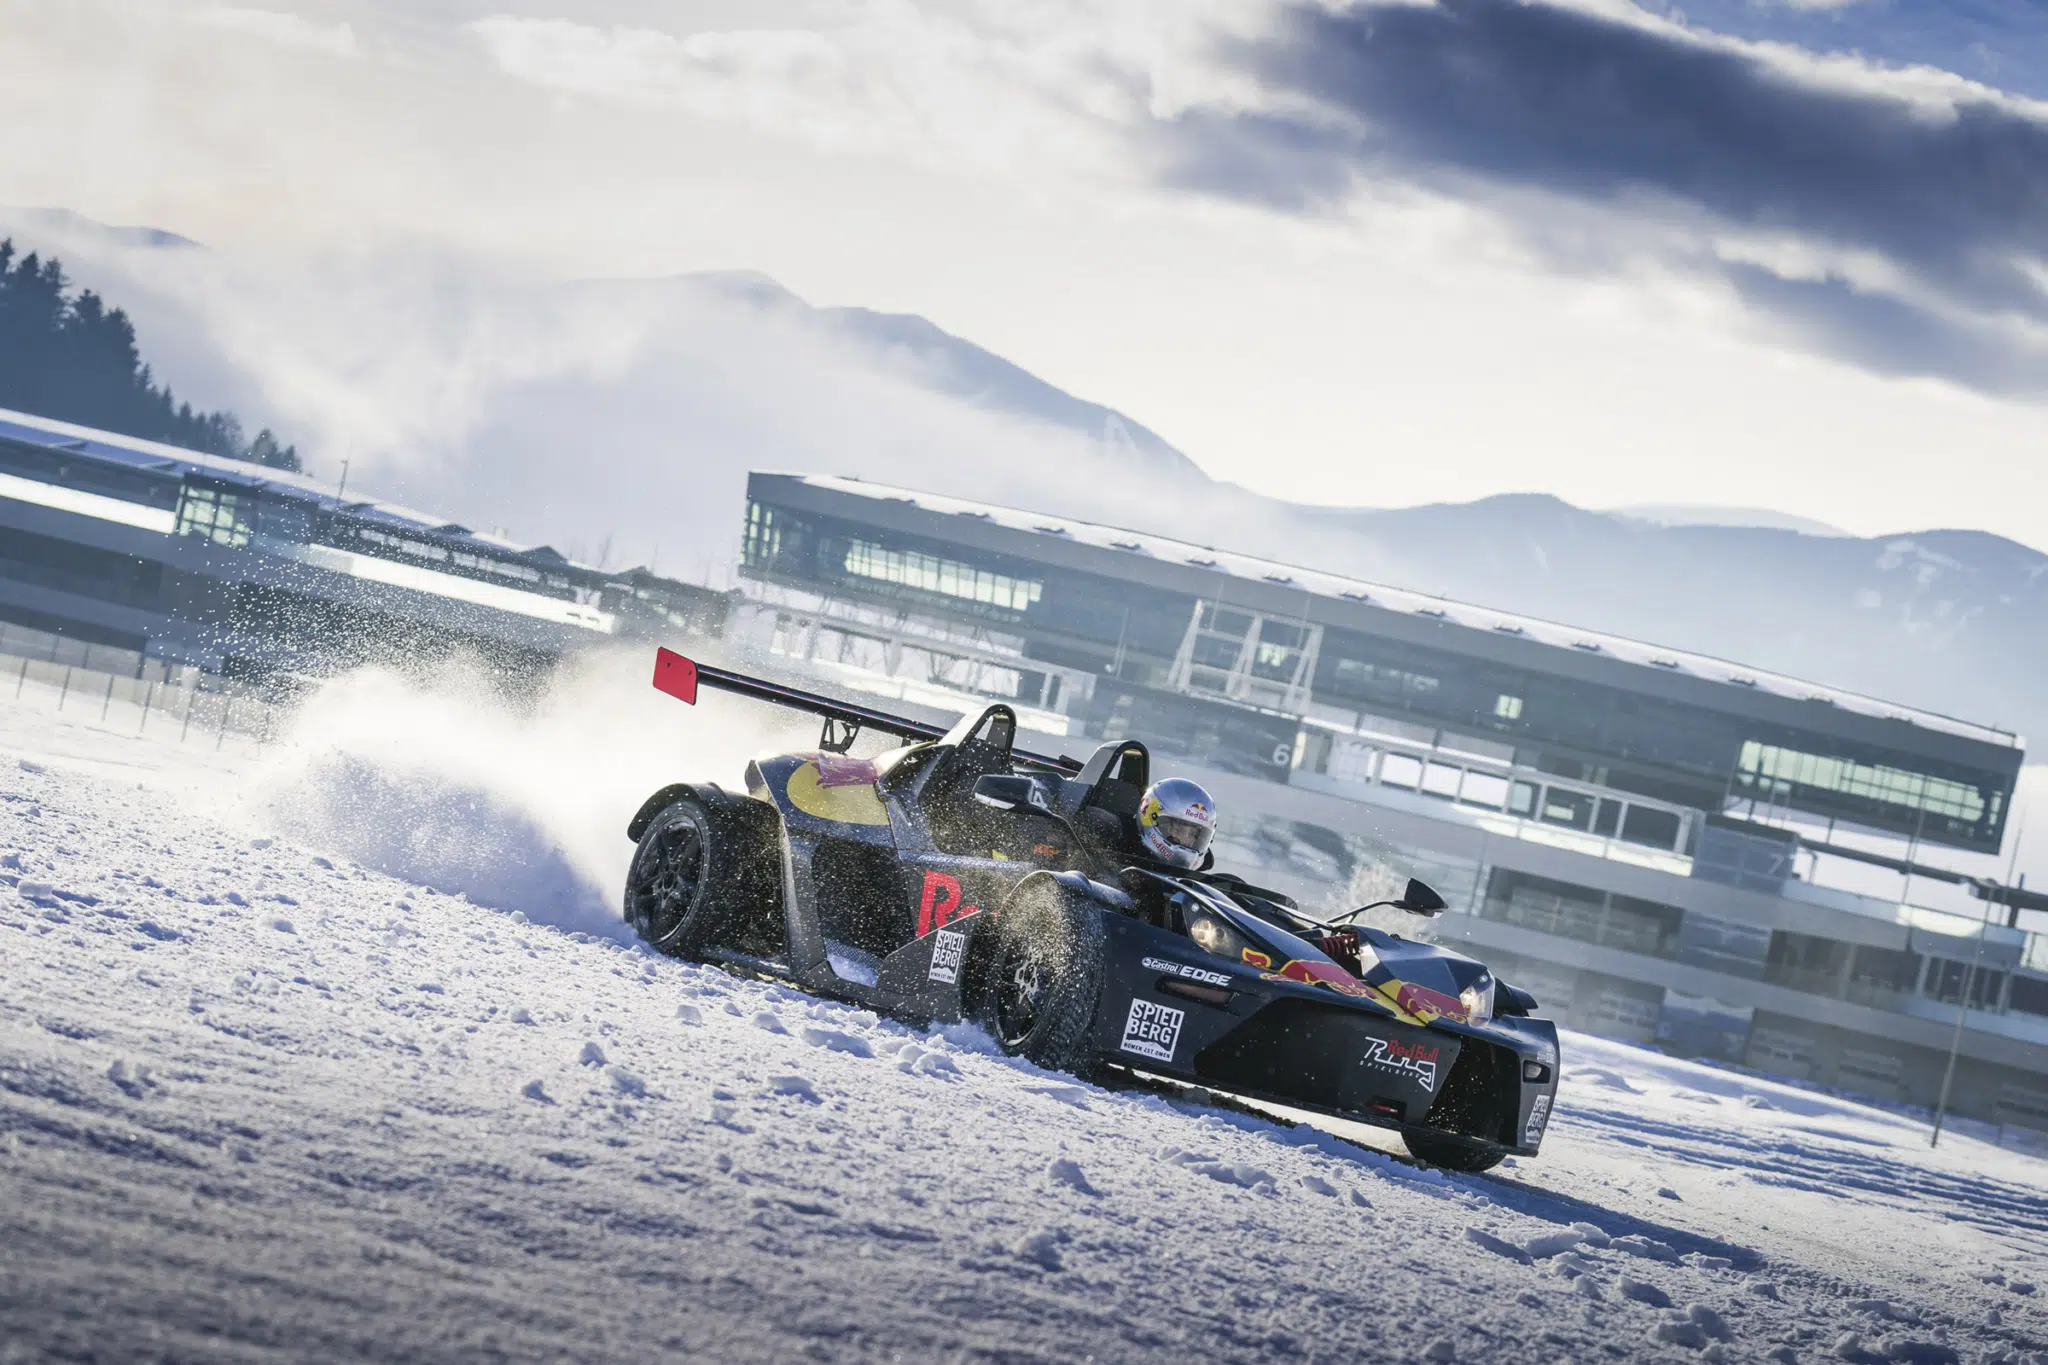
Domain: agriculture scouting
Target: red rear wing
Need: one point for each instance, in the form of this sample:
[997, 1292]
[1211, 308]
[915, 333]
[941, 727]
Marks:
[675, 675]
[680, 678]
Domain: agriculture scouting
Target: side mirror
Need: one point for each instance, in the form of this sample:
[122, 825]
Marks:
[1420, 899]
[1006, 791]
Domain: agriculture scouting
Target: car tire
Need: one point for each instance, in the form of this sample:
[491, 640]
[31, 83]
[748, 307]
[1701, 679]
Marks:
[1450, 1153]
[702, 871]
[1041, 974]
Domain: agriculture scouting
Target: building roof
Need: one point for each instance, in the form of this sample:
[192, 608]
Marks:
[154, 457]
[1655, 660]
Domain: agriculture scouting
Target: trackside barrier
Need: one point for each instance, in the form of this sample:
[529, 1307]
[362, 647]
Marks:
[194, 707]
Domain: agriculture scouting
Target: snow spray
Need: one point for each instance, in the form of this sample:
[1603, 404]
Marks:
[518, 803]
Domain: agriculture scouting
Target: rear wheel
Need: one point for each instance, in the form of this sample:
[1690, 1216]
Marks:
[1450, 1153]
[1041, 976]
[703, 873]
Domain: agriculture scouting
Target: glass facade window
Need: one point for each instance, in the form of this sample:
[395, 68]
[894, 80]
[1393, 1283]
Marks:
[1651, 827]
[1607, 819]
[1946, 980]
[946, 577]
[1399, 770]
[418, 549]
[1440, 779]
[1216, 648]
[1278, 657]
[214, 514]
[1574, 810]
[1246, 656]
[1483, 789]
[1774, 771]
[762, 540]
[1380, 680]
[1893, 969]
[1506, 707]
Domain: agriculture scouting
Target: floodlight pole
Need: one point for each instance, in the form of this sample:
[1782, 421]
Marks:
[1955, 1045]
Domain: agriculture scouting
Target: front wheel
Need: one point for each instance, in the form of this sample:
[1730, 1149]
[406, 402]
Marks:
[701, 873]
[1449, 1152]
[1042, 975]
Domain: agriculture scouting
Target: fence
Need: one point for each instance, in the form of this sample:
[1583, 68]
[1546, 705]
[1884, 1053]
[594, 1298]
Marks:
[165, 701]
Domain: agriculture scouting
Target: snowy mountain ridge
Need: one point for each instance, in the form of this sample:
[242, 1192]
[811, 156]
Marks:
[1950, 621]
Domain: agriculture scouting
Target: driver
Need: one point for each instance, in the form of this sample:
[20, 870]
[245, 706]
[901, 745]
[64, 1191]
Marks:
[1176, 821]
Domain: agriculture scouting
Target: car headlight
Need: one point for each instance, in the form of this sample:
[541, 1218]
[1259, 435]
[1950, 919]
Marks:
[1477, 999]
[1212, 935]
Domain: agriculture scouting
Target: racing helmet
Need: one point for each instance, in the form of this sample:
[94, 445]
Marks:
[1176, 820]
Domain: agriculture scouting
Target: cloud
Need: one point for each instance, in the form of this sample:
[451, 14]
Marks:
[974, 86]
[1915, 202]
[280, 27]
[654, 67]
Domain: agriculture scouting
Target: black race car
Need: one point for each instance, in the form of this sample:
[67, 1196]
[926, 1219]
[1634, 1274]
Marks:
[958, 877]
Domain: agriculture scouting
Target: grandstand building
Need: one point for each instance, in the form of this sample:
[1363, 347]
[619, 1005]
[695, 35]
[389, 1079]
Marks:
[189, 560]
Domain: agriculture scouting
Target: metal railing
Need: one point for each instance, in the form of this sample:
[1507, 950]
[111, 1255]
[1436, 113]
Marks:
[195, 707]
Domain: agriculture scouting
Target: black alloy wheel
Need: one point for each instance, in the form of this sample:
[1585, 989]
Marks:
[1020, 994]
[1041, 976]
[707, 871]
[668, 874]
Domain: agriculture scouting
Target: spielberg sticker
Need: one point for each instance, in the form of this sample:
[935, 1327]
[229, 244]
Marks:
[1412, 1059]
[1152, 1030]
[947, 945]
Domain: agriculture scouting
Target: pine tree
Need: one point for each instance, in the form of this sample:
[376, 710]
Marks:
[72, 358]
[265, 450]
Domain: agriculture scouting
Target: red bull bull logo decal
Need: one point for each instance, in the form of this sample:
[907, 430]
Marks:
[1426, 1004]
[837, 770]
[1417, 1004]
[1413, 1059]
[1320, 974]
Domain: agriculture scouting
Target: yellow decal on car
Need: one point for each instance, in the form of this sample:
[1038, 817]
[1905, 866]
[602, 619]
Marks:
[830, 796]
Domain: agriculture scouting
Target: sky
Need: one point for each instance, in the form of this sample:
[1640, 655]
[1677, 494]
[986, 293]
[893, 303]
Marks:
[1777, 253]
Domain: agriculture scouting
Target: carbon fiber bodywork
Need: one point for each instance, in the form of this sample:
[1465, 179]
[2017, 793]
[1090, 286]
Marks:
[1309, 1047]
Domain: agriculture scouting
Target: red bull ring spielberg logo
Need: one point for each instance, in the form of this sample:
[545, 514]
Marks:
[1417, 1059]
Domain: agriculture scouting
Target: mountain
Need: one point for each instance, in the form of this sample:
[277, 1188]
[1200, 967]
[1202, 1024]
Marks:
[948, 364]
[1950, 621]
[1697, 514]
[63, 223]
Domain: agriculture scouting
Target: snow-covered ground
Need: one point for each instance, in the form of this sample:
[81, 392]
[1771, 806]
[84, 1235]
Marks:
[261, 1099]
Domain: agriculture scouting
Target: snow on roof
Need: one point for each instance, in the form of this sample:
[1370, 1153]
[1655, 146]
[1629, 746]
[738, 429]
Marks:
[1319, 583]
[154, 456]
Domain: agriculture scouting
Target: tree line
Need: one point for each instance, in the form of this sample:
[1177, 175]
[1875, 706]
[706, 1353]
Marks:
[64, 354]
